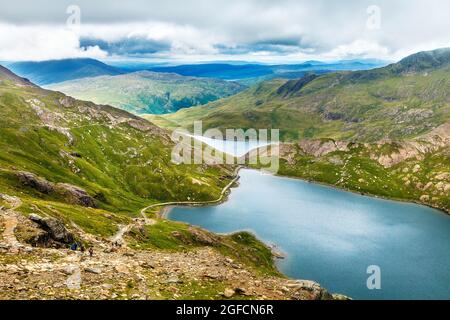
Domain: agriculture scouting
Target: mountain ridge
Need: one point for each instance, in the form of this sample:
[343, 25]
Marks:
[146, 91]
[54, 71]
[387, 102]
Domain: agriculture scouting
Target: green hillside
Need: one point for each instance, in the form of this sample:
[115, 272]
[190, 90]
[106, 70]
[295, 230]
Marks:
[402, 100]
[120, 160]
[149, 92]
[75, 171]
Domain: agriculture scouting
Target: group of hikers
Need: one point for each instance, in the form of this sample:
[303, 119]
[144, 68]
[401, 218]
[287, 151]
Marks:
[75, 246]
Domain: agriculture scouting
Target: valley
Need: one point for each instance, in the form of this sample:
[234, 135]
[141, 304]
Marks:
[75, 172]
[383, 132]
[145, 92]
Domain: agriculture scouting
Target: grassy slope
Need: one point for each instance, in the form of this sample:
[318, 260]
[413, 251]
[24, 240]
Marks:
[123, 168]
[354, 170]
[148, 92]
[363, 105]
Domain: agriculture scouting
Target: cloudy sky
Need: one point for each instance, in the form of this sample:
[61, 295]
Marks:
[206, 30]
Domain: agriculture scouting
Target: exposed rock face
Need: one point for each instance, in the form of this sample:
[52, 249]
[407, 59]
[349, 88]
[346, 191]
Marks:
[310, 290]
[71, 193]
[203, 237]
[416, 149]
[54, 227]
[319, 148]
[35, 182]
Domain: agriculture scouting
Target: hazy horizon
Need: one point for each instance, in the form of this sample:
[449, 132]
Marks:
[172, 32]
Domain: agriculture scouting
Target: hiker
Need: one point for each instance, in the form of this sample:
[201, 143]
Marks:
[91, 251]
[74, 247]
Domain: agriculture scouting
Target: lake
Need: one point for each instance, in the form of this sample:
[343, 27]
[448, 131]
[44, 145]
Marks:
[332, 236]
[234, 148]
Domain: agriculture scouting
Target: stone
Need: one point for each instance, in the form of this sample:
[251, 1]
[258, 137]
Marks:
[229, 293]
[242, 291]
[173, 280]
[54, 227]
[69, 270]
[129, 254]
[31, 180]
[76, 195]
[308, 289]
[148, 265]
[121, 268]
[203, 237]
[93, 270]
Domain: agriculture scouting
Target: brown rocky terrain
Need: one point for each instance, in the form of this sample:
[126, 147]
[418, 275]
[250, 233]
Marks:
[40, 266]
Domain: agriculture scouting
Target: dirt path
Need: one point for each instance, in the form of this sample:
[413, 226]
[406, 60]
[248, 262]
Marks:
[118, 237]
[10, 223]
[193, 203]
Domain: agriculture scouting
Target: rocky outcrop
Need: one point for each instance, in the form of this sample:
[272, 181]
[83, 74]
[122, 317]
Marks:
[203, 238]
[319, 148]
[308, 290]
[72, 194]
[414, 149]
[33, 181]
[76, 195]
[54, 227]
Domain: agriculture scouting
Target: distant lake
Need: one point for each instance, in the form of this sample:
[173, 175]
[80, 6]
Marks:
[235, 148]
[332, 236]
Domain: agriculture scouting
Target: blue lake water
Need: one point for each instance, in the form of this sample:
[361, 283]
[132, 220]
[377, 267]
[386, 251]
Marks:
[331, 236]
[235, 148]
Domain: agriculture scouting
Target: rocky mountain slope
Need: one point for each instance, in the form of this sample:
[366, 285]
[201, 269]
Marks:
[72, 172]
[416, 170]
[149, 92]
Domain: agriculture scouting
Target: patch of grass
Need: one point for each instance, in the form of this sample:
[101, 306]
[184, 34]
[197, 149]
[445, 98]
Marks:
[173, 236]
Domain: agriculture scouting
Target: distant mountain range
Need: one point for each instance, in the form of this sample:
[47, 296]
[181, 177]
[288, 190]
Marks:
[264, 72]
[140, 87]
[149, 92]
[54, 71]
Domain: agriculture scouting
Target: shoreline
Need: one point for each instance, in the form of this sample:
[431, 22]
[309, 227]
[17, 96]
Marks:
[166, 206]
[162, 214]
[366, 194]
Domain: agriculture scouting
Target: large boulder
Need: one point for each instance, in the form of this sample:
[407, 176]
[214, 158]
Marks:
[308, 290]
[76, 195]
[54, 227]
[72, 194]
[31, 180]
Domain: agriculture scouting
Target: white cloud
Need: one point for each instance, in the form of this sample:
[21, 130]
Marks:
[258, 30]
[359, 49]
[42, 43]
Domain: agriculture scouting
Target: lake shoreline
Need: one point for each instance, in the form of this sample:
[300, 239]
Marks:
[366, 194]
[165, 210]
[268, 241]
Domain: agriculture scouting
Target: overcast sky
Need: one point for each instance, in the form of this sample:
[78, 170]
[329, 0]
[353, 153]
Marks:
[205, 30]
